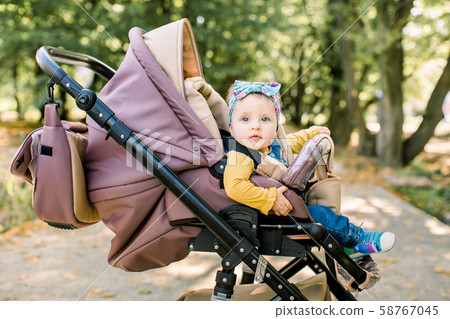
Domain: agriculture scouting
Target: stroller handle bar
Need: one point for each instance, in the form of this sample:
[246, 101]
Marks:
[47, 57]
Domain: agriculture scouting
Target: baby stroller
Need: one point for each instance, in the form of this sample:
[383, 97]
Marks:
[156, 182]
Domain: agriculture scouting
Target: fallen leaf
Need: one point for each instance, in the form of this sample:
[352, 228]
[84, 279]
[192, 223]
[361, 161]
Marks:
[78, 271]
[418, 251]
[438, 269]
[23, 277]
[145, 292]
[94, 292]
[410, 285]
[108, 295]
[69, 277]
[34, 258]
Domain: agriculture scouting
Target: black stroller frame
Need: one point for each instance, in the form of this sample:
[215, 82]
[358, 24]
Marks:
[238, 233]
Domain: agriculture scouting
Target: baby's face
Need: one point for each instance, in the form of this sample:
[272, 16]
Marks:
[254, 122]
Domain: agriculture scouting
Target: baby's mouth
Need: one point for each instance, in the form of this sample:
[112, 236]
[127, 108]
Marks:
[255, 137]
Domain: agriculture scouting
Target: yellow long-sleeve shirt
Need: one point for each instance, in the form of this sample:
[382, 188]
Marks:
[239, 169]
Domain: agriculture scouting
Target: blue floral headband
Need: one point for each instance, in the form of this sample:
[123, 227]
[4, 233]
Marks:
[242, 89]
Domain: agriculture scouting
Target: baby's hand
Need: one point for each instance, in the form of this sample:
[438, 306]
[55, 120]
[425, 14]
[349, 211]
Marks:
[281, 206]
[322, 129]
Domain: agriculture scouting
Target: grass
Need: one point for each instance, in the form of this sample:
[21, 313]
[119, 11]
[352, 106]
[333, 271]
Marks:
[428, 187]
[425, 183]
[433, 200]
[15, 203]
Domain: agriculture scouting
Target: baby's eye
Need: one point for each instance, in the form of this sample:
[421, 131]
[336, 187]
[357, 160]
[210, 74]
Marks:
[245, 119]
[265, 119]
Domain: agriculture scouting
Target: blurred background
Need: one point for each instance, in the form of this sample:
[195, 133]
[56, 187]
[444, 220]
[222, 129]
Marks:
[376, 73]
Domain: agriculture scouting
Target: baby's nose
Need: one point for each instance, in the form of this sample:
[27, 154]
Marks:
[256, 125]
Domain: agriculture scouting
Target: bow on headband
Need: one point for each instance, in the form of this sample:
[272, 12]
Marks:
[242, 89]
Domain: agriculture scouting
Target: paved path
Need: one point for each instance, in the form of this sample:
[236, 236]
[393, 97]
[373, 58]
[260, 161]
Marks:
[418, 268]
[41, 263]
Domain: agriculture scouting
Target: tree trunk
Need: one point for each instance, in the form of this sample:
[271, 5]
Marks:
[393, 16]
[366, 144]
[19, 107]
[433, 115]
[340, 122]
[298, 100]
[340, 118]
[346, 52]
[390, 107]
[166, 6]
[64, 112]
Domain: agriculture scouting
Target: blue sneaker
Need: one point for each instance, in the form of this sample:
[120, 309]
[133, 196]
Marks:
[372, 242]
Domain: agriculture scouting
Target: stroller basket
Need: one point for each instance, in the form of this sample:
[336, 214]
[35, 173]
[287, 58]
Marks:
[218, 230]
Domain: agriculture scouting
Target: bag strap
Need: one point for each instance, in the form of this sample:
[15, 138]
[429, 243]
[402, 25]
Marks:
[230, 144]
[51, 115]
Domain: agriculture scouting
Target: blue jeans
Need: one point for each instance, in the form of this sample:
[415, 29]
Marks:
[346, 233]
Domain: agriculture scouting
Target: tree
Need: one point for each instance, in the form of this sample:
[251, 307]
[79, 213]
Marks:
[432, 116]
[346, 53]
[311, 72]
[233, 38]
[393, 16]
[383, 42]
[329, 74]
[392, 150]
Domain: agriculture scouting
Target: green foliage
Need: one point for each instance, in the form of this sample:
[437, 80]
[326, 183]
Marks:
[431, 199]
[232, 35]
[235, 39]
[294, 42]
[426, 187]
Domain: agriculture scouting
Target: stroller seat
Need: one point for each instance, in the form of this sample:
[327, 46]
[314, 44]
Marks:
[153, 185]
